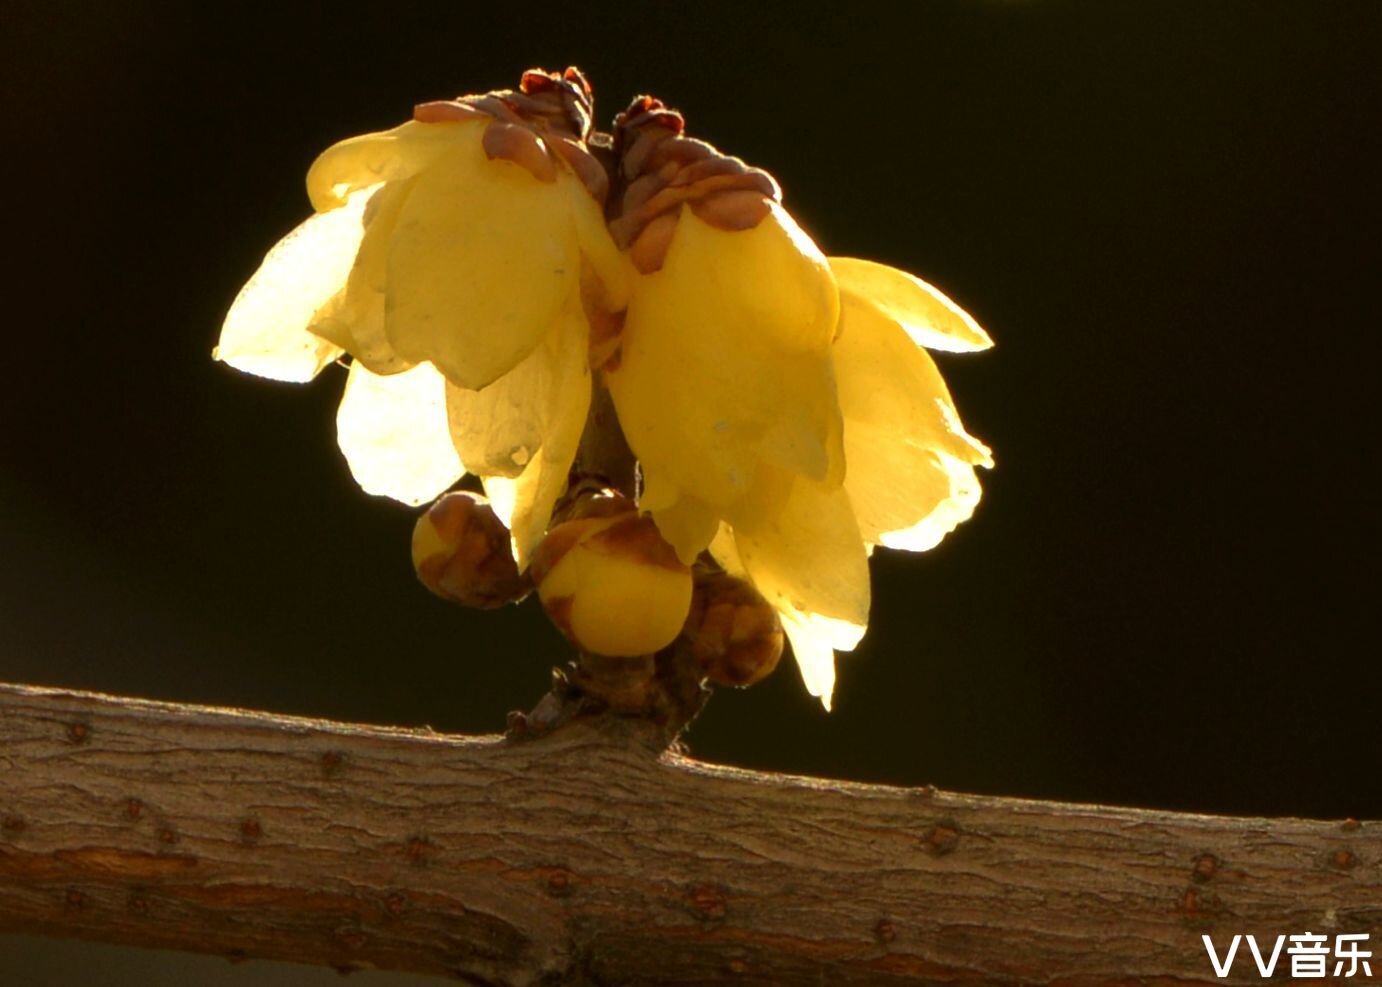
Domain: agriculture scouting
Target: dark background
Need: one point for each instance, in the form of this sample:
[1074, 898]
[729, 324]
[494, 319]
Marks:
[1164, 213]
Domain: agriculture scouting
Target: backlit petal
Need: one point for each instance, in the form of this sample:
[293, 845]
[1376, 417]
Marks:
[481, 261]
[521, 433]
[355, 317]
[798, 541]
[930, 318]
[266, 330]
[611, 266]
[688, 525]
[394, 434]
[725, 360]
[955, 505]
[814, 638]
[498, 430]
[910, 473]
[815, 658]
[544, 481]
[726, 552]
[502, 492]
[387, 156]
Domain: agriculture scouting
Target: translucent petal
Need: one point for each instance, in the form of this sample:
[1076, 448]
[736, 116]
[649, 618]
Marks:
[910, 470]
[907, 497]
[726, 552]
[537, 413]
[481, 261]
[355, 317]
[725, 360]
[930, 318]
[386, 156]
[502, 492]
[798, 541]
[815, 658]
[883, 379]
[956, 505]
[610, 264]
[266, 330]
[393, 433]
[688, 525]
[814, 637]
[657, 493]
[499, 429]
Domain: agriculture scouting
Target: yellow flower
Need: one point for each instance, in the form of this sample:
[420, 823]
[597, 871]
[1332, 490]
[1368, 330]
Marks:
[781, 406]
[452, 258]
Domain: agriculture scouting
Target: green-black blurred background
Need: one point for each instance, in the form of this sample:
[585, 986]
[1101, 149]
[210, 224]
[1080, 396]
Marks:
[1165, 214]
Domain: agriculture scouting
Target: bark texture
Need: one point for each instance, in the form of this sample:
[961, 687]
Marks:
[589, 855]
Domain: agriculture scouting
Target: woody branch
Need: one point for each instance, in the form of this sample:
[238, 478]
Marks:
[591, 854]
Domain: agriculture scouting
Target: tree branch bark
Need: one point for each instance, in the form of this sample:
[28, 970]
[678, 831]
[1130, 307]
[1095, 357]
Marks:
[589, 855]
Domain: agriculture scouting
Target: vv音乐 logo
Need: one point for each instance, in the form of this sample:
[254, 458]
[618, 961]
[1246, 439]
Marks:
[1309, 955]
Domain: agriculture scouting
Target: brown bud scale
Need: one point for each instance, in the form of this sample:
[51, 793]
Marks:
[462, 553]
[562, 536]
[541, 126]
[636, 536]
[606, 327]
[664, 169]
[521, 146]
[735, 634]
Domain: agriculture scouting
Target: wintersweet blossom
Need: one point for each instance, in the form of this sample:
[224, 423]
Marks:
[453, 259]
[783, 408]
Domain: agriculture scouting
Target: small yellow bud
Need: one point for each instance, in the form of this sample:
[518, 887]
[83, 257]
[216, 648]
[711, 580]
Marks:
[461, 552]
[611, 584]
[735, 633]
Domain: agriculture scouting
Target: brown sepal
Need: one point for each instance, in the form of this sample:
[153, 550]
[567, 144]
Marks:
[662, 169]
[636, 537]
[553, 115]
[478, 570]
[573, 524]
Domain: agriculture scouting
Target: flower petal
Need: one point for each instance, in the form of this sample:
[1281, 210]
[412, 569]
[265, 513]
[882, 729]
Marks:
[930, 318]
[724, 550]
[955, 505]
[498, 430]
[354, 320]
[387, 156]
[394, 435]
[481, 262]
[535, 414]
[910, 462]
[688, 525]
[815, 658]
[725, 360]
[814, 636]
[798, 541]
[611, 266]
[545, 479]
[502, 492]
[266, 330]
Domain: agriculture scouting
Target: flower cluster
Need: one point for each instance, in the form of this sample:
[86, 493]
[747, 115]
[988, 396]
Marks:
[489, 263]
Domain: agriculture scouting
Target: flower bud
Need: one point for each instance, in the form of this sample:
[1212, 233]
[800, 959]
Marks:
[462, 553]
[735, 634]
[611, 584]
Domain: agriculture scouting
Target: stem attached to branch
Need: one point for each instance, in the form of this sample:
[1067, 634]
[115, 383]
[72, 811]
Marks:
[587, 856]
[664, 689]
